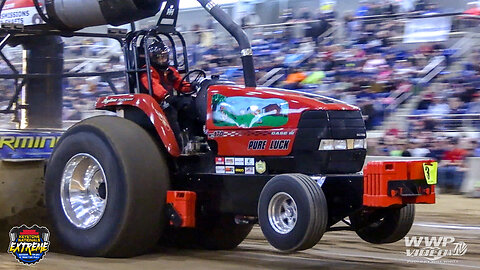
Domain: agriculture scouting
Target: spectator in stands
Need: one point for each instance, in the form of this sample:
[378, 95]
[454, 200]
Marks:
[437, 149]
[452, 167]
[419, 149]
[474, 106]
[438, 107]
[295, 78]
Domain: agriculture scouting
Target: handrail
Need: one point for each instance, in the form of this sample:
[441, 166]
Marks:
[442, 115]
[449, 122]
[268, 75]
[412, 15]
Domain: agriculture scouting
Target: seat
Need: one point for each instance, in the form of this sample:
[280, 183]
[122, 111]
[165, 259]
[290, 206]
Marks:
[201, 100]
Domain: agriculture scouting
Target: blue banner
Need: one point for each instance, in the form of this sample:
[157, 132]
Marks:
[20, 145]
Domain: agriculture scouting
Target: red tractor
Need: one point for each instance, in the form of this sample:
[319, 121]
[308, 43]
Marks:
[289, 161]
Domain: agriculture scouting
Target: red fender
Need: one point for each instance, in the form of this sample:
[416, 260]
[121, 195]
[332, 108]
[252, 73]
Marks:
[152, 109]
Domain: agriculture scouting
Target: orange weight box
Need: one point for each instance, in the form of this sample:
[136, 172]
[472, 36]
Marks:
[184, 204]
[387, 183]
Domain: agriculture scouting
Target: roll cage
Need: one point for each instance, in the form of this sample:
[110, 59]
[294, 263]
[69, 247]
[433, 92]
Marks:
[137, 42]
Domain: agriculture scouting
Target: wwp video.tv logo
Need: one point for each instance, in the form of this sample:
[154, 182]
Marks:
[434, 248]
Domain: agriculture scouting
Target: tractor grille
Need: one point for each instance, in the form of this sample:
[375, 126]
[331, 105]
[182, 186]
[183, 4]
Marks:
[317, 125]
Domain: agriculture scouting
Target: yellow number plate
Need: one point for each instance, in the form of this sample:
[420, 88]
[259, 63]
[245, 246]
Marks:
[430, 171]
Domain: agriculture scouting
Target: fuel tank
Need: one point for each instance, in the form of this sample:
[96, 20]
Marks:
[78, 14]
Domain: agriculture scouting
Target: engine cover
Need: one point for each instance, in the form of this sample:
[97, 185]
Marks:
[284, 128]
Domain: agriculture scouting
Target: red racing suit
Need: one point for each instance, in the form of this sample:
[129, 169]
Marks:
[164, 82]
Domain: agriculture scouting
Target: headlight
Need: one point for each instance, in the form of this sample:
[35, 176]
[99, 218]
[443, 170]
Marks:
[340, 144]
[326, 145]
[360, 144]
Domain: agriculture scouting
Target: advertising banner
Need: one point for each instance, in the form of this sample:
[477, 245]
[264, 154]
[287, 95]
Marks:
[427, 30]
[20, 145]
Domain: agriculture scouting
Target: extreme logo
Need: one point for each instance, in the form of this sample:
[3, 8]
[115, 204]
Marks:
[29, 244]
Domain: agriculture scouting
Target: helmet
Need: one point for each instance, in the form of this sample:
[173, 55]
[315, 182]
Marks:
[159, 55]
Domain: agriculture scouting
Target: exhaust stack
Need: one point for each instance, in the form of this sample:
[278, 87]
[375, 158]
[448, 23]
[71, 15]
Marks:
[73, 15]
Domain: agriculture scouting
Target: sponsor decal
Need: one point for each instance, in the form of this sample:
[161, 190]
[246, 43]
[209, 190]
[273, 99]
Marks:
[279, 144]
[249, 170]
[230, 169]
[239, 170]
[261, 167]
[249, 162]
[239, 161]
[249, 112]
[219, 161]
[19, 13]
[29, 244]
[116, 100]
[229, 161]
[257, 145]
[434, 248]
[220, 169]
[27, 145]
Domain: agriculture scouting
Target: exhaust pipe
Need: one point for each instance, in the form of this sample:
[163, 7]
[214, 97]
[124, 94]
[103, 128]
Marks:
[75, 14]
[240, 36]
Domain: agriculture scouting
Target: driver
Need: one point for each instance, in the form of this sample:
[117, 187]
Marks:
[165, 78]
[165, 81]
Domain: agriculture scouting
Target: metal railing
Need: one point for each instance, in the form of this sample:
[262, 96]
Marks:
[448, 122]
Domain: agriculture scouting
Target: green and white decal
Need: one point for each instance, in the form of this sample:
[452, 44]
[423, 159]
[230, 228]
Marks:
[249, 112]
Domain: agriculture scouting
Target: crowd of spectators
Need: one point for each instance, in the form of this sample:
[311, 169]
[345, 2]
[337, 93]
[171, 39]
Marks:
[451, 153]
[368, 70]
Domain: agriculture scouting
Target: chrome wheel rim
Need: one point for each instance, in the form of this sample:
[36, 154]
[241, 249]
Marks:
[84, 191]
[282, 213]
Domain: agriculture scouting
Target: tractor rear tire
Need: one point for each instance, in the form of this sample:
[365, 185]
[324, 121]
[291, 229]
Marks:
[292, 212]
[135, 183]
[390, 227]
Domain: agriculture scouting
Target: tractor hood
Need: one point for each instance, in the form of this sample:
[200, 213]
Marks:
[260, 118]
[296, 100]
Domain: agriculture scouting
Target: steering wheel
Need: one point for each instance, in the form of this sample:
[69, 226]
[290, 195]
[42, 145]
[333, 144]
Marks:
[200, 75]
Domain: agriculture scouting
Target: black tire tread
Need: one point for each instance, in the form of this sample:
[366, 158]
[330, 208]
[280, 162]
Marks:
[319, 206]
[147, 181]
[399, 224]
[318, 212]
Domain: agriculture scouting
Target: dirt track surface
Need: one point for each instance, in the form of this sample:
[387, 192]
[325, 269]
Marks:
[452, 216]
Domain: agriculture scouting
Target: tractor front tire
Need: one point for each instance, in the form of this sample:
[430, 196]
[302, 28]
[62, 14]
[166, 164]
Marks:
[292, 212]
[106, 185]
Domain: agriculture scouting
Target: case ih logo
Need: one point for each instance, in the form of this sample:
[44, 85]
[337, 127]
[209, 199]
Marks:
[434, 248]
[170, 11]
